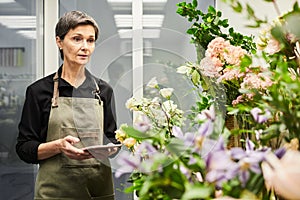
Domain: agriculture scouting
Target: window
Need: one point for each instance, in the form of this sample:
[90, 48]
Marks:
[20, 65]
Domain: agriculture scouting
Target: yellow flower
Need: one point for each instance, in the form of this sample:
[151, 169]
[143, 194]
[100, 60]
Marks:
[120, 134]
[129, 142]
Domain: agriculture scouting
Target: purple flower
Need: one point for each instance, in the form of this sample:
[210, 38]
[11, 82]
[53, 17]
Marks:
[127, 162]
[141, 160]
[195, 141]
[260, 116]
[248, 159]
[142, 123]
[145, 149]
[219, 164]
[280, 152]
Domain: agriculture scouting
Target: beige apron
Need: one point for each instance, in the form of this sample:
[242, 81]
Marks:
[62, 178]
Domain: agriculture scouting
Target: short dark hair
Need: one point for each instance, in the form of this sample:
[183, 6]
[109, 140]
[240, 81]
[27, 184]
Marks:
[71, 20]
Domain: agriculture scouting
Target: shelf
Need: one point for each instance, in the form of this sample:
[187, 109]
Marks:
[11, 56]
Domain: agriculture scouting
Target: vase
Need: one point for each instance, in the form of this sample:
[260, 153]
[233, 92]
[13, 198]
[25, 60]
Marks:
[238, 125]
[231, 124]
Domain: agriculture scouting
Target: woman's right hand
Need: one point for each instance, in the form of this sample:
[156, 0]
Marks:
[67, 147]
[64, 145]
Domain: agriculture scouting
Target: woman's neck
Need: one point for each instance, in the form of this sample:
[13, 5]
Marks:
[73, 75]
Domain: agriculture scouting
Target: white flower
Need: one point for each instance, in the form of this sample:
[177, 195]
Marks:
[155, 101]
[158, 115]
[169, 106]
[166, 92]
[131, 104]
[184, 70]
[152, 83]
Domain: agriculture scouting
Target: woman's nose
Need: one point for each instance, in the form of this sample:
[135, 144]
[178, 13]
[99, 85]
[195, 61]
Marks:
[84, 44]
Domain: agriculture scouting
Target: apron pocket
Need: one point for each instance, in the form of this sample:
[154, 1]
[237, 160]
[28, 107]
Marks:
[88, 137]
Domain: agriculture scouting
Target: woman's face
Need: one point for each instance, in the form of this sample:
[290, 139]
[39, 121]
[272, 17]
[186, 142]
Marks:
[78, 45]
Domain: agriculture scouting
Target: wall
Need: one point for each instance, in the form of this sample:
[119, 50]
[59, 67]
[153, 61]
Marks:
[262, 9]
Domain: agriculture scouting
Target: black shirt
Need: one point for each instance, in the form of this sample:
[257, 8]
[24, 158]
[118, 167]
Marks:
[33, 125]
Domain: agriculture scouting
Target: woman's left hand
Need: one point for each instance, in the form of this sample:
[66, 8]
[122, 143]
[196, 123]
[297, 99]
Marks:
[103, 153]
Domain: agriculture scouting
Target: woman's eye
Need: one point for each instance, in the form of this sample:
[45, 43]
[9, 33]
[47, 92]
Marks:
[91, 40]
[77, 39]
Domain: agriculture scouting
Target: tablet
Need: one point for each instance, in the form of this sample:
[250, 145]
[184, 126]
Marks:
[101, 147]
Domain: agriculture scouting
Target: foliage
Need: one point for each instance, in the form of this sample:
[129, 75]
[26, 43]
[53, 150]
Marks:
[169, 163]
[208, 26]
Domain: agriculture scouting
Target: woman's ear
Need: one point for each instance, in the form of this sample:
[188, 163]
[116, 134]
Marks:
[58, 42]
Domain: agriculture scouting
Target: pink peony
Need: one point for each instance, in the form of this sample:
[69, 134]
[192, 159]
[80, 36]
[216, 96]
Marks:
[215, 50]
[231, 74]
[208, 68]
[256, 81]
[233, 55]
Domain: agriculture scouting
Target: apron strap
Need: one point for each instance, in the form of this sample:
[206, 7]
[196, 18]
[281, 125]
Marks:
[55, 91]
[97, 91]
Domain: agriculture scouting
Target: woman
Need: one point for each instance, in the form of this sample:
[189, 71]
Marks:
[65, 112]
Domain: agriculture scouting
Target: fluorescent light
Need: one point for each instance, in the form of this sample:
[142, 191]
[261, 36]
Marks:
[147, 33]
[7, 1]
[153, 20]
[125, 5]
[130, 1]
[31, 34]
[125, 21]
[18, 21]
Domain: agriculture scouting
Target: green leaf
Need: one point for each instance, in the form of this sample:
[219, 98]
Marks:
[211, 9]
[245, 62]
[250, 10]
[195, 3]
[197, 192]
[195, 77]
[237, 7]
[135, 133]
[176, 146]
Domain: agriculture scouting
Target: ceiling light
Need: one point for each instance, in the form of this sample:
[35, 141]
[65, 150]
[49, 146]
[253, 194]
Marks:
[119, 5]
[31, 34]
[125, 21]
[18, 21]
[7, 1]
[147, 33]
[130, 1]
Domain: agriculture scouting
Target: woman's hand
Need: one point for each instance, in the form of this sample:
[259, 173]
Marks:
[64, 145]
[71, 151]
[103, 153]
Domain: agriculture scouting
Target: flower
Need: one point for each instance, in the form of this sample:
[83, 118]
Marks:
[183, 70]
[120, 133]
[248, 160]
[129, 142]
[132, 104]
[142, 122]
[188, 154]
[128, 163]
[219, 165]
[166, 92]
[260, 116]
[152, 83]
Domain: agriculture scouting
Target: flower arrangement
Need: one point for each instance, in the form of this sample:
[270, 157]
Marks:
[179, 155]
